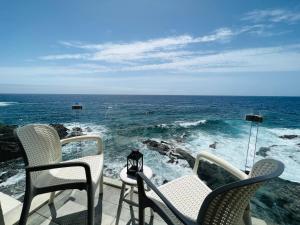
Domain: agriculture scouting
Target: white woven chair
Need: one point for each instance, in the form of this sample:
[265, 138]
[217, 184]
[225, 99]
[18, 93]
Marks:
[188, 200]
[46, 172]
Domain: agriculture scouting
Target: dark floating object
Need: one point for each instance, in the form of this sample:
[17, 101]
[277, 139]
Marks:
[254, 118]
[76, 106]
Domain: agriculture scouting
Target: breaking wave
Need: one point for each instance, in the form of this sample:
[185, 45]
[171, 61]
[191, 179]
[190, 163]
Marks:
[187, 124]
[3, 104]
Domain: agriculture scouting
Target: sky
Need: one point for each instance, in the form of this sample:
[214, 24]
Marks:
[172, 47]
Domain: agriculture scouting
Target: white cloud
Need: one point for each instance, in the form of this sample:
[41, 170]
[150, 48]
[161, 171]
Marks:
[80, 69]
[183, 53]
[167, 49]
[272, 15]
[65, 56]
[268, 59]
[159, 49]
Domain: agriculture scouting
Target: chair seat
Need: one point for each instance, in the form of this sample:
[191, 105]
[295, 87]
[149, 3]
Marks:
[186, 193]
[71, 174]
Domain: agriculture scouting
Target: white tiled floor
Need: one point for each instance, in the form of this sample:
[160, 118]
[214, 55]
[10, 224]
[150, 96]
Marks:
[71, 209]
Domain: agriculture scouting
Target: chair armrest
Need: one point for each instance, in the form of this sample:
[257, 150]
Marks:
[85, 138]
[220, 162]
[142, 178]
[63, 165]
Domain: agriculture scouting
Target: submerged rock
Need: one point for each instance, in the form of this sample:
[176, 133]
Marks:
[76, 131]
[168, 149]
[61, 130]
[289, 136]
[263, 151]
[157, 146]
[214, 145]
[186, 156]
[88, 129]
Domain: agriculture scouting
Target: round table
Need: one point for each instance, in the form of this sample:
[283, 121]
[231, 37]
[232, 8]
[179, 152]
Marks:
[131, 181]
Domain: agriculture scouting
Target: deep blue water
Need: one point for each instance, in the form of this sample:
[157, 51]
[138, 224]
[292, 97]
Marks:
[278, 111]
[189, 122]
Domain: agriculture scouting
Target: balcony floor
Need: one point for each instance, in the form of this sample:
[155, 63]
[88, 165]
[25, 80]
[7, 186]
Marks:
[70, 208]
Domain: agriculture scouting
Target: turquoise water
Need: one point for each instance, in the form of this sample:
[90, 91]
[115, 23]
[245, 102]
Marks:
[189, 122]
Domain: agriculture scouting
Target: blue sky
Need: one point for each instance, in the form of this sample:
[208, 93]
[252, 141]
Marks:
[187, 47]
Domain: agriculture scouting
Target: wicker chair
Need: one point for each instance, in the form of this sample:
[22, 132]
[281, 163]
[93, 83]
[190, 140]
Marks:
[187, 200]
[45, 171]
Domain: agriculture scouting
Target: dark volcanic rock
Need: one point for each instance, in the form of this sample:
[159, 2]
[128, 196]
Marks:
[88, 129]
[187, 156]
[263, 151]
[214, 145]
[76, 131]
[61, 130]
[289, 136]
[278, 201]
[165, 148]
[156, 146]
[10, 147]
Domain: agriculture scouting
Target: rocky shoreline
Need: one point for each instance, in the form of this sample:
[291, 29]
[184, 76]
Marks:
[276, 202]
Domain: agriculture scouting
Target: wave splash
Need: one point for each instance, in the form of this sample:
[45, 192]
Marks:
[3, 104]
[187, 124]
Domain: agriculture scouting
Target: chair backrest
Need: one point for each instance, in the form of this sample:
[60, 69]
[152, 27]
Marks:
[226, 205]
[41, 144]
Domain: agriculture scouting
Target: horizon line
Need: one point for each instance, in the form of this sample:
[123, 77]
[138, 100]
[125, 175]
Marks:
[195, 95]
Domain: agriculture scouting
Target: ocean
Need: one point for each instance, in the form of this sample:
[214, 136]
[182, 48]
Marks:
[192, 123]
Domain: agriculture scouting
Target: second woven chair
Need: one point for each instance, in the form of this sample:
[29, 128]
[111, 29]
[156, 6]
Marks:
[46, 172]
[189, 201]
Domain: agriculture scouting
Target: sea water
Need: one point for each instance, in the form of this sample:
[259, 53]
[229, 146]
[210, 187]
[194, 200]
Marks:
[192, 123]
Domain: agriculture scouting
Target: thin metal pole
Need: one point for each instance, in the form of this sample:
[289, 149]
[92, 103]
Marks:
[248, 147]
[255, 144]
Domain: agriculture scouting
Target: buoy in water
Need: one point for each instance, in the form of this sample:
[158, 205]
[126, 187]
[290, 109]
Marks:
[76, 106]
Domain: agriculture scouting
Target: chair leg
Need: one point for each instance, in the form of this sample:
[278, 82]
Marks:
[90, 197]
[151, 210]
[26, 207]
[101, 185]
[51, 199]
[141, 216]
[120, 203]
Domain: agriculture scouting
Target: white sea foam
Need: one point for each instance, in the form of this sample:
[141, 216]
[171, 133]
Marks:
[13, 180]
[230, 148]
[160, 166]
[88, 128]
[234, 149]
[3, 104]
[187, 124]
[83, 148]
